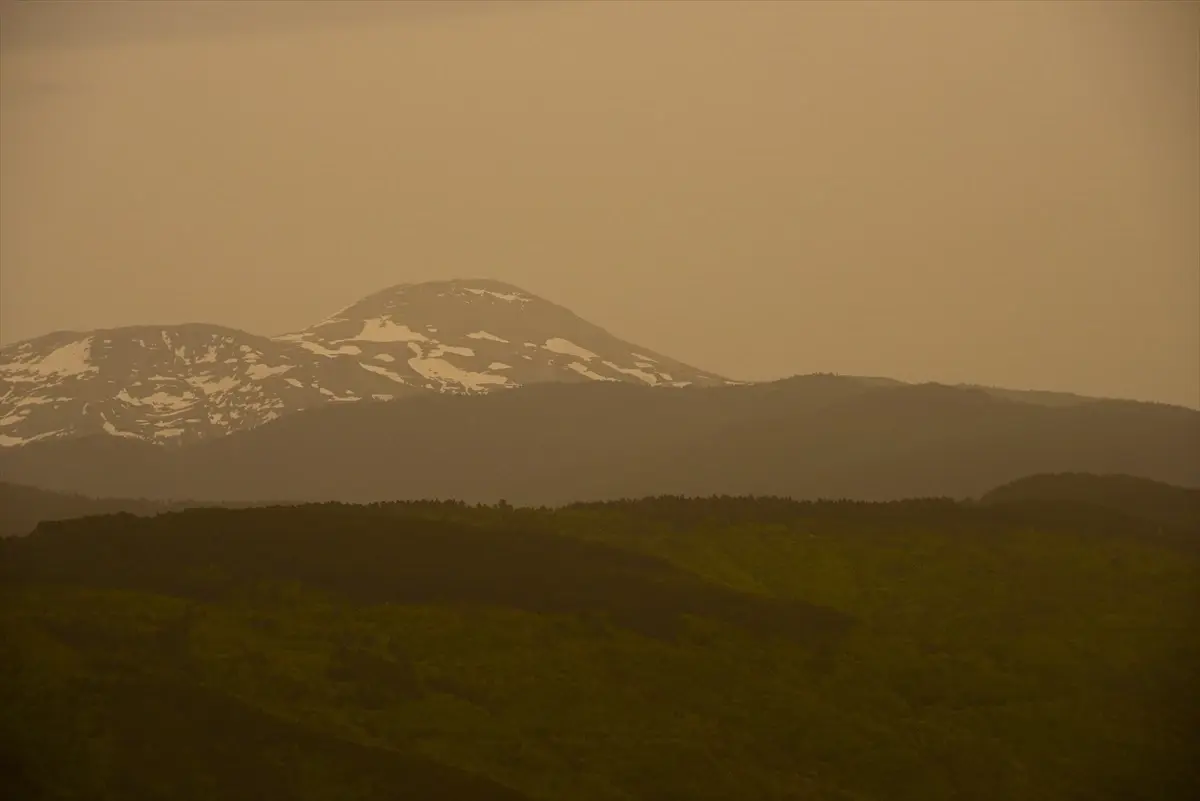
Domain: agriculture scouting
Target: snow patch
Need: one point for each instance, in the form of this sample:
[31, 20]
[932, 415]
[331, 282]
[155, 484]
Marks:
[583, 370]
[382, 329]
[261, 371]
[441, 370]
[11, 442]
[321, 350]
[167, 401]
[486, 335]
[567, 348]
[499, 366]
[64, 361]
[109, 428]
[508, 297]
[209, 386]
[384, 357]
[36, 400]
[443, 349]
[383, 371]
[649, 378]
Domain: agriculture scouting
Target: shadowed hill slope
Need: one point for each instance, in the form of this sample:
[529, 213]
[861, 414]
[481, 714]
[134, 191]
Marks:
[809, 437]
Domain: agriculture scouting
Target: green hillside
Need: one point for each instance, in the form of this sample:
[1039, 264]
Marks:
[663, 649]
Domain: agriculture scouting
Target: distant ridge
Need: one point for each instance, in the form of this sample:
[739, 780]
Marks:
[554, 443]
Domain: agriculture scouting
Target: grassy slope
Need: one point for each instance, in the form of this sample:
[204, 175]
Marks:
[660, 649]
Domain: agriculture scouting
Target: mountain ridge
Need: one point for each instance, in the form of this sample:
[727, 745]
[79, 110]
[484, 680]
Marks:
[554, 443]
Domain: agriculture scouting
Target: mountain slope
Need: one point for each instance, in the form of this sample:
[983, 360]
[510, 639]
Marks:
[814, 436]
[185, 383]
[163, 384]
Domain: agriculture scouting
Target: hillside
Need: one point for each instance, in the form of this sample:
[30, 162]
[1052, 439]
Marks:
[658, 649]
[554, 443]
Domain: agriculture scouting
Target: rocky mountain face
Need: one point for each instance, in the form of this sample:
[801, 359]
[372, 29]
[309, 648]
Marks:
[184, 383]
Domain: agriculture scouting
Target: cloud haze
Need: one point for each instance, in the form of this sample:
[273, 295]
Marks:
[1002, 193]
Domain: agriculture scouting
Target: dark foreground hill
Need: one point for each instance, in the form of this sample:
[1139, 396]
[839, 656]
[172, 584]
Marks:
[807, 437]
[721, 648]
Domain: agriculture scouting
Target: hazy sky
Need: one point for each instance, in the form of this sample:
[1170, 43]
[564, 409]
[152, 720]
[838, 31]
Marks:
[954, 191]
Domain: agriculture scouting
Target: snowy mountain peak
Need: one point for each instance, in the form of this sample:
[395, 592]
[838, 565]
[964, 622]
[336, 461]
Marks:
[176, 384]
[445, 293]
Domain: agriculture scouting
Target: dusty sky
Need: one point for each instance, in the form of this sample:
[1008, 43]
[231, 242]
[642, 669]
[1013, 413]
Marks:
[987, 192]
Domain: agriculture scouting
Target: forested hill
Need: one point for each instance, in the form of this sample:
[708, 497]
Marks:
[1176, 508]
[661, 649]
[1081, 496]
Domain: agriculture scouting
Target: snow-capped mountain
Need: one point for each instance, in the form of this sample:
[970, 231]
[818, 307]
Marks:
[181, 383]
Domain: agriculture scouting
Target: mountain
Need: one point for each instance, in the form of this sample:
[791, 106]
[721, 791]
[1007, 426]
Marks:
[554, 443]
[185, 383]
